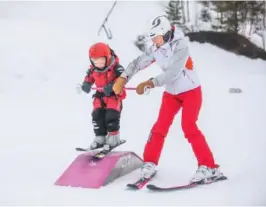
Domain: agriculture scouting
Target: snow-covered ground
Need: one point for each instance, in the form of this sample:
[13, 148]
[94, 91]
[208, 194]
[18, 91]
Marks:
[43, 56]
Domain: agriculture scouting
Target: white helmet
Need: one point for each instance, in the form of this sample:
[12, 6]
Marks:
[159, 26]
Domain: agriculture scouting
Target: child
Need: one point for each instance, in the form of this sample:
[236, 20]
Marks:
[107, 106]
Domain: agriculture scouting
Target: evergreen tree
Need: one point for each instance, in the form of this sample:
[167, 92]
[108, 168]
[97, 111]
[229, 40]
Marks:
[254, 11]
[205, 15]
[231, 15]
[219, 7]
[233, 11]
[173, 11]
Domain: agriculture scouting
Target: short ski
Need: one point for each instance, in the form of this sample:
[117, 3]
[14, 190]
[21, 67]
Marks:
[139, 183]
[102, 153]
[186, 186]
[80, 149]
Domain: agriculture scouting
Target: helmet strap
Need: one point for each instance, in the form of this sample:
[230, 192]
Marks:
[99, 69]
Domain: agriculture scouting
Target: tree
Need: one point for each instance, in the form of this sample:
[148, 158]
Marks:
[233, 11]
[232, 14]
[183, 11]
[219, 7]
[173, 11]
[254, 9]
[264, 14]
[188, 14]
[205, 15]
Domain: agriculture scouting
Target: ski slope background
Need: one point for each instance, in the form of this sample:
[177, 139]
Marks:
[43, 56]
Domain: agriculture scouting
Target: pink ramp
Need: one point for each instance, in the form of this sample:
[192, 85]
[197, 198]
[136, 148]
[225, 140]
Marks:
[85, 173]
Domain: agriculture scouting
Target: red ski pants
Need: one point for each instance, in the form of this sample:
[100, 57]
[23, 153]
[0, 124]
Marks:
[191, 103]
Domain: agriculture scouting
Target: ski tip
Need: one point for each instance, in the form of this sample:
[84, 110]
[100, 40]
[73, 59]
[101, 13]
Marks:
[151, 187]
[122, 141]
[223, 178]
[80, 149]
[132, 186]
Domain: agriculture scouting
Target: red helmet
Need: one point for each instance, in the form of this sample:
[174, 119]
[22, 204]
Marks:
[100, 49]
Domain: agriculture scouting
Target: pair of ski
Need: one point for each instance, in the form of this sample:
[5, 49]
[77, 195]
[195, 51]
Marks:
[143, 182]
[102, 152]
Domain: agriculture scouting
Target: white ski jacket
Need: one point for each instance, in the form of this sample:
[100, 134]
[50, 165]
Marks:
[174, 59]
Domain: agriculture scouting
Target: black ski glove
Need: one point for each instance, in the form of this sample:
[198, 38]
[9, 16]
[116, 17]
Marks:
[108, 89]
[86, 87]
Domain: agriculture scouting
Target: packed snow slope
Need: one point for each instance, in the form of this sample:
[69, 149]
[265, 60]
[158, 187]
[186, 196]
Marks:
[43, 56]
